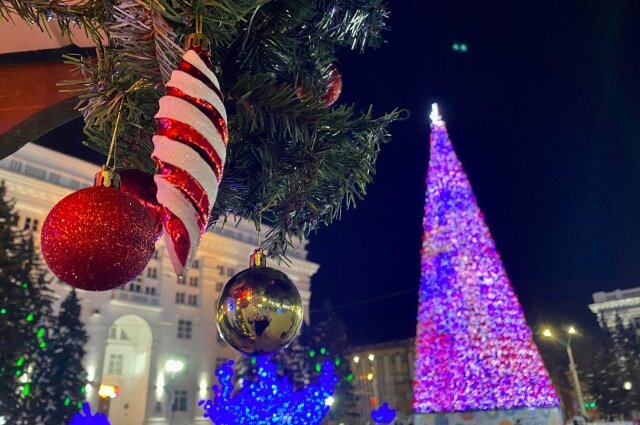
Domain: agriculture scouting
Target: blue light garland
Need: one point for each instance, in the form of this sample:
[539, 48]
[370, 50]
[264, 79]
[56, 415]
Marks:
[88, 418]
[269, 400]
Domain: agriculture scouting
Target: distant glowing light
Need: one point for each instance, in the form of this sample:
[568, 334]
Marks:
[203, 388]
[356, 359]
[474, 350]
[459, 47]
[371, 357]
[370, 376]
[160, 385]
[173, 366]
[627, 385]
[91, 373]
[547, 333]
[108, 391]
[329, 401]
[571, 330]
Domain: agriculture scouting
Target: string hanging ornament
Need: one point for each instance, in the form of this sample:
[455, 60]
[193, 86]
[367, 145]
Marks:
[101, 237]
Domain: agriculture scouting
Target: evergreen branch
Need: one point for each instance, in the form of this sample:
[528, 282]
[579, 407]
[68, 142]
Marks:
[357, 24]
[290, 162]
[87, 14]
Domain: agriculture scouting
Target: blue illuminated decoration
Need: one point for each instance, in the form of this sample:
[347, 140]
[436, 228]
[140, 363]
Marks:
[88, 418]
[270, 399]
[384, 415]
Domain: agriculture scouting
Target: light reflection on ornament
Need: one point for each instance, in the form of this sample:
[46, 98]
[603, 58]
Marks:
[474, 350]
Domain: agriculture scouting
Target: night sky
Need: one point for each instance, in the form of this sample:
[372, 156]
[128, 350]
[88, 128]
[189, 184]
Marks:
[544, 113]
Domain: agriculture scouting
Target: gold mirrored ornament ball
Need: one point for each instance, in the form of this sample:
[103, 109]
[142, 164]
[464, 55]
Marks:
[259, 311]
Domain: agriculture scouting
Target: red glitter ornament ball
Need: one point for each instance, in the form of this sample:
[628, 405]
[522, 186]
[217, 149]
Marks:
[97, 238]
[332, 92]
[141, 186]
[334, 87]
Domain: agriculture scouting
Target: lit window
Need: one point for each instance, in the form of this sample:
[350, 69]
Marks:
[180, 297]
[184, 329]
[179, 401]
[192, 300]
[115, 364]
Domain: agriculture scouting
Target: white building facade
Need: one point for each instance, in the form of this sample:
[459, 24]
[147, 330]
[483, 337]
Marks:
[139, 331]
[624, 303]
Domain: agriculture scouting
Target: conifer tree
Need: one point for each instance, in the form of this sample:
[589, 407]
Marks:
[25, 309]
[330, 334]
[59, 381]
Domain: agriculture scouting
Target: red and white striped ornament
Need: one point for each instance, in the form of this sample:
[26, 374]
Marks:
[189, 149]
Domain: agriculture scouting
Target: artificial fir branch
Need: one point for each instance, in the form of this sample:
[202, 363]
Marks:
[290, 161]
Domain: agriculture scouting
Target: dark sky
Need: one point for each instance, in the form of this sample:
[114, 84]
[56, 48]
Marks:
[544, 113]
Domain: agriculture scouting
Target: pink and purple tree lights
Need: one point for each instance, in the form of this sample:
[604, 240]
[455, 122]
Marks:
[474, 350]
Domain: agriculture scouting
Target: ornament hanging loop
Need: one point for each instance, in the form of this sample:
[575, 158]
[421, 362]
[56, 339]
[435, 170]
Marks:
[258, 258]
[198, 39]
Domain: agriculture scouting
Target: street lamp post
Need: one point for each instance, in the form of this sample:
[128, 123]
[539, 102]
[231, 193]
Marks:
[572, 365]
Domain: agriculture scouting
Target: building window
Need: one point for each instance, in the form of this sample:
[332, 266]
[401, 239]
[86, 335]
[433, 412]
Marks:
[15, 165]
[184, 329]
[196, 264]
[115, 364]
[192, 300]
[155, 254]
[193, 281]
[231, 272]
[158, 407]
[152, 273]
[179, 401]
[180, 297]
[181, 281]
[150, 290]
[27, 223]
[54, 178]
[220, 270]
[36, 172]
[134, 287]
[219, 286]
[34, 225]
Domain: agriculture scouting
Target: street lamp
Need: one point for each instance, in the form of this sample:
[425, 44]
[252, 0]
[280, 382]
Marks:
[627, 385]
[572, 365]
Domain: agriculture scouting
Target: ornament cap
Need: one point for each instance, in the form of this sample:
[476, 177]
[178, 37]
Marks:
[107, 178]
[258, 258]
[197, 40]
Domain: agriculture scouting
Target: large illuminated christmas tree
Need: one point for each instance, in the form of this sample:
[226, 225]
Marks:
[474, 350]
